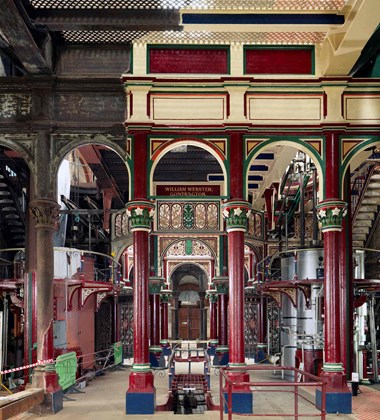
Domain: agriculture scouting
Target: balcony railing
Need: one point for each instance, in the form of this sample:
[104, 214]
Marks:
[68, 263]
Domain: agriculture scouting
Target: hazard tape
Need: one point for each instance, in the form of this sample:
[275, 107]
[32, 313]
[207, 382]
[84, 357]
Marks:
[39, 362]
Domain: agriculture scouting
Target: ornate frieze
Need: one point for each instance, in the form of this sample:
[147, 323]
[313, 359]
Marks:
[330, 215]
[188, 247]
[255, 224]
[45, 212]
[13, 105]
[188, 216]
[89, 107]
[122, 227]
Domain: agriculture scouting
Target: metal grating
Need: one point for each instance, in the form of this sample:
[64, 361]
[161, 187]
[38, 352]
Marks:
[101, 37]
[226, 38]
[226, 5]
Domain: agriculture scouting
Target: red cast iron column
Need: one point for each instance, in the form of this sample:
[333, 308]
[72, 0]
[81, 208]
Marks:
[330, 214]
[165, 297]
[213, 298]
[236, 213]
[154, 291]
[221, 285]
[140, 212]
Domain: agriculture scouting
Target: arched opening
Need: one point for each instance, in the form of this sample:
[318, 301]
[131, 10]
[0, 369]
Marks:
[361, 187]
[92, 183]
[184, 165]
[189, 285]
[15, 257]
[283, 180]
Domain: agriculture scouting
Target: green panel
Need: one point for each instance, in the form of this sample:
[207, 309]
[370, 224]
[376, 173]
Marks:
[188, 216]
[118, 353]
[188, 247]
[66, 368]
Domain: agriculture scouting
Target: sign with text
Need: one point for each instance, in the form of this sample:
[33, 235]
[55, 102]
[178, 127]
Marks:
[187, 190]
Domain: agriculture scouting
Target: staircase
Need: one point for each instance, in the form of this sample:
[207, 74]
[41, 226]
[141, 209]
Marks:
[11, 215]
[366, 213]
[189, 393]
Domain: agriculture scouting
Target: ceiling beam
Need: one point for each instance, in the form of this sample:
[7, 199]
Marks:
[343, 47]
[93, 158]
[20, 41]
[107, 19]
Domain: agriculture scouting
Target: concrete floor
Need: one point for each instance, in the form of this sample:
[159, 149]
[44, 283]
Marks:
[104, 399]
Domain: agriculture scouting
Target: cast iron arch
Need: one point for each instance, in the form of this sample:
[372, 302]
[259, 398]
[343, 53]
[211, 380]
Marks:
[202, 144]
[97, 140]
[295, 142]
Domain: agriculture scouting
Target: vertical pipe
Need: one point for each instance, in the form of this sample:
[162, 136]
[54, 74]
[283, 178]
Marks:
[236, 296]
[315, 200]
[140, 297]
[302, 209]
[372, 328]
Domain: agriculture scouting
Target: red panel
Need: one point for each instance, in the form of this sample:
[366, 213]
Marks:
[188, 60]
[187, 190]
[279, 61]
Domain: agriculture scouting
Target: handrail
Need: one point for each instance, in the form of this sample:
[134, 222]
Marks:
[226, 386]
[168, 364]
[112, 266]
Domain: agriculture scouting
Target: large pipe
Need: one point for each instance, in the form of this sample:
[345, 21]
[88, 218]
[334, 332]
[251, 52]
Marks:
[302, 209]
[315, 220]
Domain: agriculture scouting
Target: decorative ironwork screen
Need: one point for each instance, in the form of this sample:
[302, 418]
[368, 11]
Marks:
[273, 316]
[126, 325]
[188, 216]
[256, 224]
[250, 326]
[103, 327]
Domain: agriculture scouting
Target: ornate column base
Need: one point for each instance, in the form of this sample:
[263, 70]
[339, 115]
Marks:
[222, 353]
[155, 353]
[261, 352]
[242, 398]
[211, 350]
[165, 347]
[45, 377]
[338, 395]
[141, 394]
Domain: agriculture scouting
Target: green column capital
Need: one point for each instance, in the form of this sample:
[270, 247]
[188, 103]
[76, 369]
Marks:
[330, 215]
[221, 284]
[236, 213]
[140, 213]
[155, 284]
